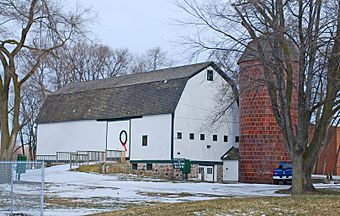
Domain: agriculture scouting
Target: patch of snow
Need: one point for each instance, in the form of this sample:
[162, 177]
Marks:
[111, 191]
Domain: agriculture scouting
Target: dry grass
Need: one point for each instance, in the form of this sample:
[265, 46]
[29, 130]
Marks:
[106, 168]
[299, 205]
[57, 202]
[177, 195]
[95, 168]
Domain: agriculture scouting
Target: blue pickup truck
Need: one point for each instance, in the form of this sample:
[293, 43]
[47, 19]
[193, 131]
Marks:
[283, 174]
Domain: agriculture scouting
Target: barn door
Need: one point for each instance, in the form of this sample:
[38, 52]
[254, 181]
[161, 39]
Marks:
[206, 173]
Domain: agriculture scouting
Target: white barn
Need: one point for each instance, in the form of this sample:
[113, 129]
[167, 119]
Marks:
[164, 114]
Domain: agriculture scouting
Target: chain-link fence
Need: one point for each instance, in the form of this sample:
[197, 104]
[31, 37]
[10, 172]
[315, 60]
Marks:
[21, 188]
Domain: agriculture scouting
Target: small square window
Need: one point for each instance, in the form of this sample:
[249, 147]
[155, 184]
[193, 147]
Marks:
[210, 75]
[149, 166]
[209, 170]
[191, 136]
[237, 139]
[144, 140]
[225, 138]
[134, 166]
[214, 137]
[179, 135]
[202, 136]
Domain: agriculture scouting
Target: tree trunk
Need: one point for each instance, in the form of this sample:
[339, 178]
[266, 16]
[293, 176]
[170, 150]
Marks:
[22, 142]
[7, 153]
[8, 140]
[325, 154]
[5, 137]
[336, 162]
[298, 178]
[308, 183]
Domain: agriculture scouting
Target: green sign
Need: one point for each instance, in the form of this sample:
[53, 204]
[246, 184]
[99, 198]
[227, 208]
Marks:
[182, 164]
[21, 166]
[178, 163]
[187, 167]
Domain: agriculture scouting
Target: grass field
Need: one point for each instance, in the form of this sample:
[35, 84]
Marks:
[299, 205]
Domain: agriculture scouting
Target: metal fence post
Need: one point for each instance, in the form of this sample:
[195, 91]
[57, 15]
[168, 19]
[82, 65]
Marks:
[12, 188]
[22, 195]
[42, 188]
[70, 162]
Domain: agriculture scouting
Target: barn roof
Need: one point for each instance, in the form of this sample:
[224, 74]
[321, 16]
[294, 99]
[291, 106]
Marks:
[127, 96]
[231, 154]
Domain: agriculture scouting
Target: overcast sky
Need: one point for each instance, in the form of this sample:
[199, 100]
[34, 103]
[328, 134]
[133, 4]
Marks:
[136, 24]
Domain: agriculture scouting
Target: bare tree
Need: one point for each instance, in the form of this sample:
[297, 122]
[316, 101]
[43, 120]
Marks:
[84, 61]
[31, 101]
[153, 59]
[35, 26]
[313, 26]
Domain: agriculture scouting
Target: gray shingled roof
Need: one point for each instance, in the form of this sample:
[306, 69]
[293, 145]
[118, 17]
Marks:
[127, 96]
[231, 154]
[266, 41]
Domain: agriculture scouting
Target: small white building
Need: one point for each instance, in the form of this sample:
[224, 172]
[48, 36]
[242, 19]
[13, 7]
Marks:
[230, 165]
[163, 113]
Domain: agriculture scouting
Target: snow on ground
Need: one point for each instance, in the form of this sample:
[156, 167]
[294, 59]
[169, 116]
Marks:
[99, 192]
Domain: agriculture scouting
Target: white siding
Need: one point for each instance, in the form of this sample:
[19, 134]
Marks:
[196, 106]
[71, 136]
[113, 132]
[158, 130]
[230, 170]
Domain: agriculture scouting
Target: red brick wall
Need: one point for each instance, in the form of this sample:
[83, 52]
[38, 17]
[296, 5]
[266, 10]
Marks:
[331, 161]
[261, 143]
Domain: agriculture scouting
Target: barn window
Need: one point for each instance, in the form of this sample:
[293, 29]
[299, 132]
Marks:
[214, 137]
[209, 170]
[134, 166]
[237, 139]
[202, 136]
[144, 140]
[210, 75]
[179, 135]
[149, 166]
[225, 138]
[191, 136]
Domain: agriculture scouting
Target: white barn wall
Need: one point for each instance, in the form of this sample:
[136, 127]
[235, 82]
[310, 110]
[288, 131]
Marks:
[192, 114]
[158, 130]
[89, 135]
[230, 170]
[113, 141]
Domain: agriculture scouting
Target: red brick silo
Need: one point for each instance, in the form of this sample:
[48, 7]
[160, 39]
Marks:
[261, 142]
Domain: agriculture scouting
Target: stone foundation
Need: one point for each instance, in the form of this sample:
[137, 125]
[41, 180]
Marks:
[166, 171]
[219, 170]
[159, 170]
